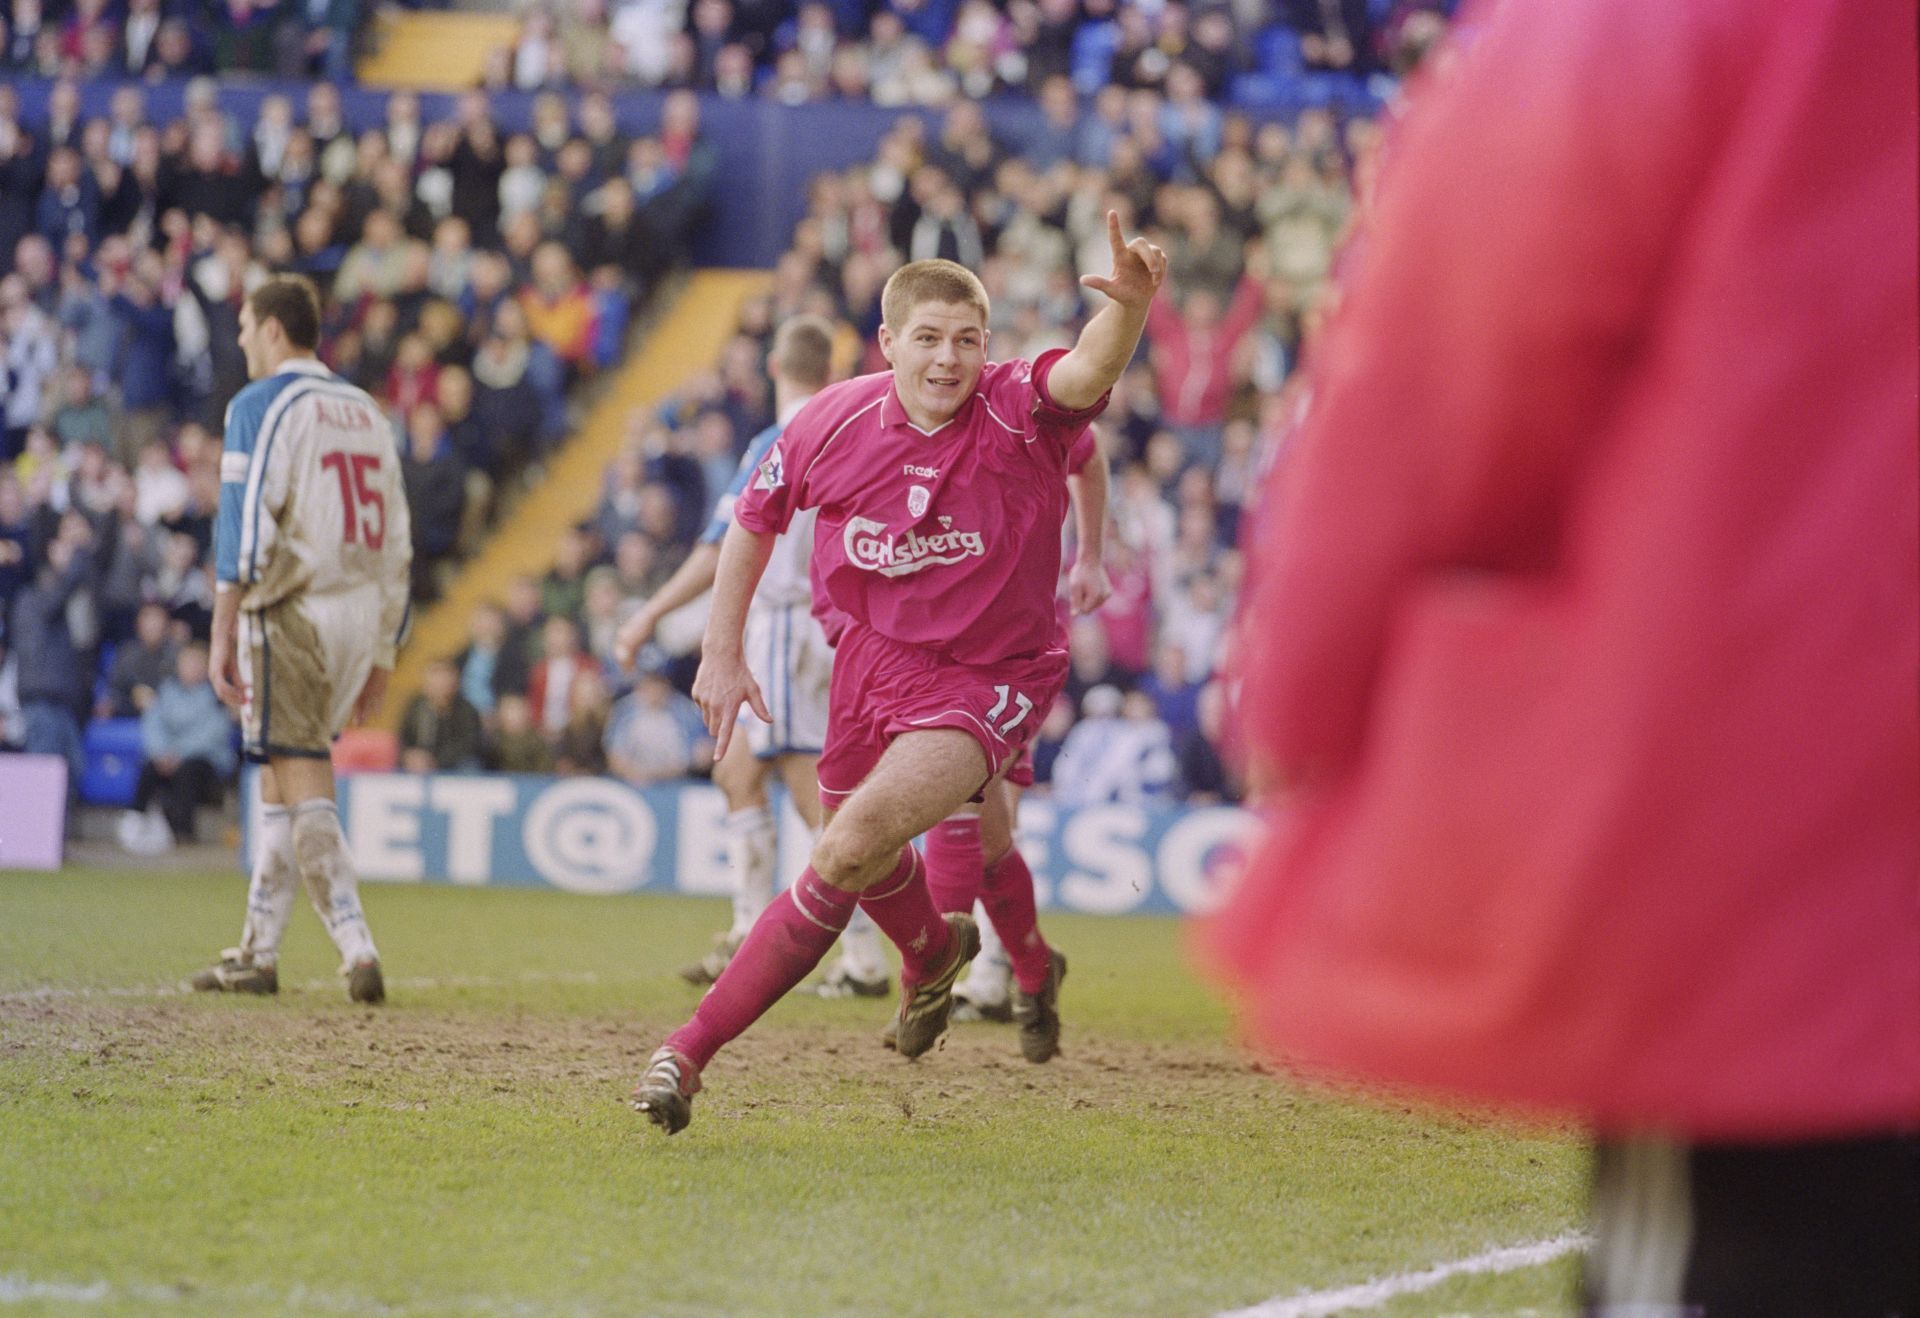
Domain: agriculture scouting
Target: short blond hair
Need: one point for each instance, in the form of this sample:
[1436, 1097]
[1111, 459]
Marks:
[930, 281]
[803, 350]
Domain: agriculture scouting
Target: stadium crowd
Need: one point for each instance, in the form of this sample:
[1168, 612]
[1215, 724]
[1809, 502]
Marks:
[933, 52]
[472, 277]
[471, 280]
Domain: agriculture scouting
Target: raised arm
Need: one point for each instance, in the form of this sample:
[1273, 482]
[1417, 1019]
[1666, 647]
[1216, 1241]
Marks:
[723, 682]
[1087, 582]
[1106, 344]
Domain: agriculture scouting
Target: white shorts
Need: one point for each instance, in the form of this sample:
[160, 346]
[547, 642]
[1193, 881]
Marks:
[789, 657]
[304, 662]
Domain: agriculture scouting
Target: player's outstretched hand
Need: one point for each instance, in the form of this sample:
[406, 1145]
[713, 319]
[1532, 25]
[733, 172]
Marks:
[721, 686]
[372, 696]
[634, 633]
[224, 668]
[1088, 586]
[1138, 268]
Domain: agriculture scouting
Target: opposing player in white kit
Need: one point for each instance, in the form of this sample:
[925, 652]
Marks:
[312, 549]
[792, 660]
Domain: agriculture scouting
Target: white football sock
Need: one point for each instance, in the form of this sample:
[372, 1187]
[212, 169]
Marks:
[320, 856]
[862, 949]
[751, 842]
[270, 892]
[990, 978]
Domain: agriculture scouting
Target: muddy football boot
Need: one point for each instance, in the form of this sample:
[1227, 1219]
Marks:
[365, 983]
[923, 1014]
[1039, 1014]
[236, 973]
[665, 1093]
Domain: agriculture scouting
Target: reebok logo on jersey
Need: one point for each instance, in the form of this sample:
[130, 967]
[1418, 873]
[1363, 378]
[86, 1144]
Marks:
[924, 473]
[772, 471]
[869, 546]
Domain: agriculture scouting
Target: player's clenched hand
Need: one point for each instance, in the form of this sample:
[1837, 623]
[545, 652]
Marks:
[1138, 268]
[634, 633]
[223, 667]
[1087, 586]
[721, 686]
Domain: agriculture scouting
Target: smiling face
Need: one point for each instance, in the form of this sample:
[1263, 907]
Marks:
[937, 357]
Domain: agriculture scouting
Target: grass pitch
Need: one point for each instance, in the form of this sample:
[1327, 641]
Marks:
[468, 1149]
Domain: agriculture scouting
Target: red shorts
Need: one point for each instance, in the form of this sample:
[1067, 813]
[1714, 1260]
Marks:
[882, 688]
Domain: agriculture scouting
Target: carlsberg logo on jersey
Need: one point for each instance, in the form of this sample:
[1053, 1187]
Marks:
[870, 546]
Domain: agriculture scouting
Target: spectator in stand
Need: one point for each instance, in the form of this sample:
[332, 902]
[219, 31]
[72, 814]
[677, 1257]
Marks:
[1108, 758]
[441, 730]
[81, 418]
[186, 737]
[436, 482]
[182, 583]
[517, 746]
[558, 307]
[1193, 351]
[656, 734]
[1204, 777]
[579, 746]
[526, 621]
[161, 489]
[1334, 34]
[1174, 693]
[550, 683]
[53, 683]
[490, 667]
[602, 611]
[563, 591]
[145, 368]
[141, 666]
[16, 543]
[32, 358]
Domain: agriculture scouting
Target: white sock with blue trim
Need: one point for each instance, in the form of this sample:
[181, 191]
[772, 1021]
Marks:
[271, 888]
[320, 855]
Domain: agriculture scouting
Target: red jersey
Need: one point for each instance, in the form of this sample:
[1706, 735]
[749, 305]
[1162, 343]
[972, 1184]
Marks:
[1587, 601]
[948, 539]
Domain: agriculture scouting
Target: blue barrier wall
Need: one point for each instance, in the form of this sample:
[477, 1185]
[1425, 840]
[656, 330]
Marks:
[767, 151]
[595, 835]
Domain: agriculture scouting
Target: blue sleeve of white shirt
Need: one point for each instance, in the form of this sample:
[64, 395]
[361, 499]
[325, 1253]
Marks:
[749, 462]
[244, 417]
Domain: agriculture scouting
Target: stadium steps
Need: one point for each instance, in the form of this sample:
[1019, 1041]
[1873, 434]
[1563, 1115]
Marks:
[684, 339]
[430, 50]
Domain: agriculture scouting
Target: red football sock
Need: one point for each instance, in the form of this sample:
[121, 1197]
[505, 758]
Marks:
[902, 908]
[789, 939]
[1007, 894]
[954, 867]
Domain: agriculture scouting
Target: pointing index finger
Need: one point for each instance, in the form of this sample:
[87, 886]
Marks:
[1114, 236]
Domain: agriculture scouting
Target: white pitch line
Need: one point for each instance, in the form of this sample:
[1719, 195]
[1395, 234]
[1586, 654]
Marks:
[1373, 1294]
[417, 984]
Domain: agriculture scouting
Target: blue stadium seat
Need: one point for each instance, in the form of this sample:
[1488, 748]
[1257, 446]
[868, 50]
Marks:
[1262, 91]
[1277, 49]
[113, 760]
[1092, 55]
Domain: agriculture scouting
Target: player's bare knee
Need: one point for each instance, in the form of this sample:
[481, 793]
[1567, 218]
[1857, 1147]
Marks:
[851, 855]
